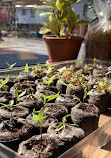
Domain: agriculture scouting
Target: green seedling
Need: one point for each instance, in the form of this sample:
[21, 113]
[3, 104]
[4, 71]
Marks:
[11, 107]
[67, 74]
[18, 77]
[77, 81]
[10, 66]
[63, 124]
[26, 69]
[19, 95]
[39, 118]
[46, 99]
[94, 60]
[86, 93]
[101, 86]
[38, 70]
[48, 82]
[4, 82]
[49, 69]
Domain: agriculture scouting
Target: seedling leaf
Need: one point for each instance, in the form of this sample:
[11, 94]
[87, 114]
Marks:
[51, 97]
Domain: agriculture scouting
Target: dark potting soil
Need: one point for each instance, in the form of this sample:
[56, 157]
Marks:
[85, 117]
[55, 110]
[13, 131]
[33, 148]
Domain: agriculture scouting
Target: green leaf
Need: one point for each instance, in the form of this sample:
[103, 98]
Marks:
[35, 117]
[43, 7]
[44, 98]
[59, 127]
[82, 21]
[44, 30]
[13, 65]
[59, 4]
[41, 113]
[45, 14]
[5, 81]
[64, 118]
[3, 104]
[16, 93]
[26, 68]
[49, 81]
[22, 94]
[11, 102]
[52, 97]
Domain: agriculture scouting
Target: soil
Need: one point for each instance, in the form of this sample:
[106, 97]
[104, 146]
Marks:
[61, 87]
[18, 111]
[77, 90]
[31, 102]
[86, 116]
[100, 100]
[55, 110]
[69, 136]
[12, 132]
[68, 101]
[33, 148]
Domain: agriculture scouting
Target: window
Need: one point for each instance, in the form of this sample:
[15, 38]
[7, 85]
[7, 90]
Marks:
[32, 13]
[23, 11]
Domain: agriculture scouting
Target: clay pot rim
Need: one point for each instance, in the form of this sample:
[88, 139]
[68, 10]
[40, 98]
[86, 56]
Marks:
[52, 37]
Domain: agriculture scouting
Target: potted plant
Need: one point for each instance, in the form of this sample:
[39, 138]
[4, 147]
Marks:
[62, 21]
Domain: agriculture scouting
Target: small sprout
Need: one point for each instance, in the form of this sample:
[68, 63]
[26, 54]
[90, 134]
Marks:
[4, 82]
[19, 95]
[49, 98]
[74, 96]
[26, 69]
[49, 70]
[10, 66]
[11, 107]
[101, 86]
[86, 93]
[38, 70]
[48, 82]
[39, 118]
[94, 60]
[63, 124]
[18, 77]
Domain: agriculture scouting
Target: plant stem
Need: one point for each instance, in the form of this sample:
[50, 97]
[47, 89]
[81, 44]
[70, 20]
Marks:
[41, 134]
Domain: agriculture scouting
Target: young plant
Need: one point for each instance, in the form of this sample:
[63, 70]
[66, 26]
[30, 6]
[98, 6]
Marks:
[94, 60]
[67, 74]
[4, 82]
[86, 93]
[49, 69]
[10, 66]
[61, 17]
[39, 118]
[19, 95]
[18, 77]
[38, 70]
[63, 124]
[46, 99]
[48, 82]
[26, 69]
[101, 86]
[11, 107]
[77, 81]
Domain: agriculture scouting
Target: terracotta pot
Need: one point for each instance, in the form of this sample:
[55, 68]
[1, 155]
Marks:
[61, 49]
